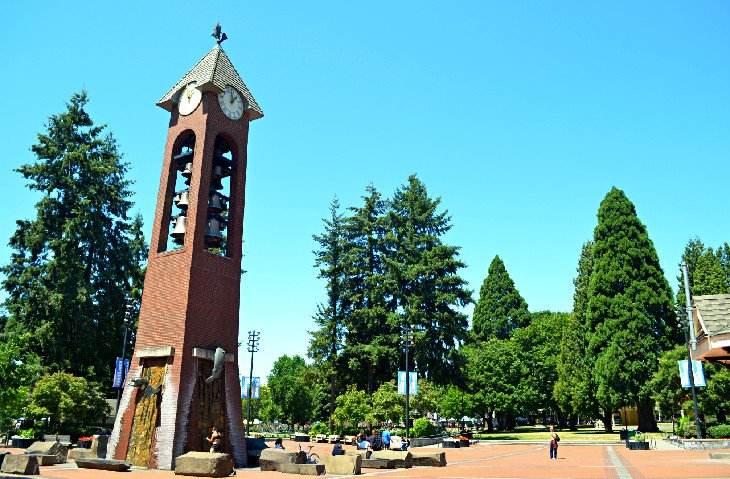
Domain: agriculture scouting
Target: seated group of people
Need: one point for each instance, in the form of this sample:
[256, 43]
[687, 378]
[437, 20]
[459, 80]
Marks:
[377, 441]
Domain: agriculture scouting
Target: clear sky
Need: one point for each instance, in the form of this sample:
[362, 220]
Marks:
[520, 115]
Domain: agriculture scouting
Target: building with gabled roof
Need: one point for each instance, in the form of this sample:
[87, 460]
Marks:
[712, 328]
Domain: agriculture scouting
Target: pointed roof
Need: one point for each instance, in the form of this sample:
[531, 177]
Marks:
[212, 73]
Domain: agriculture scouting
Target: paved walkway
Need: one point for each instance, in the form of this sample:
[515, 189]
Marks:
[488, 460]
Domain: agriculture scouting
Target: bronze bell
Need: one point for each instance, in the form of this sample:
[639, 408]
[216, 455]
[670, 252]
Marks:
[213, 234]
[188, 170]
[182, 198]
[178, 231]
[217, 202]
[217, 172]
[216, 184]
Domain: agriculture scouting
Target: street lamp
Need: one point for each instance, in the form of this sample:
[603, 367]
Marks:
[691, 344]
[253, 347]
[407, 336]
[129, 311]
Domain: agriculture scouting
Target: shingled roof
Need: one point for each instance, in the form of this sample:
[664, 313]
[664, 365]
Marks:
[713, 311]
[212, 73]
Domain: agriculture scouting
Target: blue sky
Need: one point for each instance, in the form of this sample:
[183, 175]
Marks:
[521, 116]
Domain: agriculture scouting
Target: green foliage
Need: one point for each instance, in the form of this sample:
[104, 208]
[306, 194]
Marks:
[720, 431]
[19, 369]
[353, 407]
[687, 427]
[455, 403]
[500, 309]
[715, 397]
[573, 391]
[538, 344]
[630, 315]
[427, 399]
[291, 390]
[319, 428]
[67, 398]
[388, 405]
[666, 384]
[422, 427]
[79, 260]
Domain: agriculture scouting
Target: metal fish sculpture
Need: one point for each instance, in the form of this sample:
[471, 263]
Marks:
[218, 360]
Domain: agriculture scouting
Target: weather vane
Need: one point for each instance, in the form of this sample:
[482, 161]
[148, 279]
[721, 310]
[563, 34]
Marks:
[219, 36]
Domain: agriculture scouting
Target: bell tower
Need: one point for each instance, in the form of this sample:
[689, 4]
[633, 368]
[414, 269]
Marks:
[183, 377]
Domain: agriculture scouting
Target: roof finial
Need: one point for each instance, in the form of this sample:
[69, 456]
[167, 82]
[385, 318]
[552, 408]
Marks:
[219, 36]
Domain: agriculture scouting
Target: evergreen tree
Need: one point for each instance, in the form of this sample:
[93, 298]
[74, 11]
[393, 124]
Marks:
[325, 344]
[574, 391]
[372, 326]
[423, 274]
[708, 271]
[630, 310]
[76, 264]
[500, 309]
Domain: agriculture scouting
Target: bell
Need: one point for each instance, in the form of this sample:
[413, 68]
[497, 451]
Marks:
[178, 231]
[182, 199]
[188, 170]
[216, 202]
[184, 156]
[225, 165]
[213, 233]
[217, 172]
[215, 184]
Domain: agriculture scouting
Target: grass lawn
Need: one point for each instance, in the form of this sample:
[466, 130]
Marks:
[587, 434]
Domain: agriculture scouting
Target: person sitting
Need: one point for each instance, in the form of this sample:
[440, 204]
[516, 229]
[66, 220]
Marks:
[376, 441]
[278, 444]
[337, 449]
[405, 444]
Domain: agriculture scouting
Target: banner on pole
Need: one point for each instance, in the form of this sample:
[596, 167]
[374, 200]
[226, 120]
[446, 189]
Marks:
[255, 390]
[697, 371]
[412, 383]
[118, 372]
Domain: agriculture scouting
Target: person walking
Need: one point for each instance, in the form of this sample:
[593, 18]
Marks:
[386, 438]
[554, 439]
[214, 440]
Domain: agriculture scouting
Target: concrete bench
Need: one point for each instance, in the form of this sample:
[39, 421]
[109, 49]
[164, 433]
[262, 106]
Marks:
[54, 448]
[303, 469]
[346, 465]
[64, 439]
[364, 453]
[378, 464]
[204, 464]
[403, 459]
[320, 438]
[271, 459]
[432, 459]
[333, 438]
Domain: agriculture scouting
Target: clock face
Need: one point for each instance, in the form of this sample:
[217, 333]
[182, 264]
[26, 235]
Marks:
[189, 99]
[232, 103]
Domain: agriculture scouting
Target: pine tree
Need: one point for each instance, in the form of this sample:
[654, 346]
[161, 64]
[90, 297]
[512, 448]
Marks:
[574, 391]
[331, 259]
[76, 264]
[422, 273]
[630, 310]
[500, 309]
[372, 326]
[707, 271]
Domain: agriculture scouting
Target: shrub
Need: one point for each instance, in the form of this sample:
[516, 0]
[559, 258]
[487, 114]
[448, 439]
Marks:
[686, 427]
[423, 427]
[721, 431]
[319, 428]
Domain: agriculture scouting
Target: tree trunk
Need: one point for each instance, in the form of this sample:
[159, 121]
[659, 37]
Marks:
[333, 394]
[608, 421]
[488, 420]
[721, 415]
[647, 423]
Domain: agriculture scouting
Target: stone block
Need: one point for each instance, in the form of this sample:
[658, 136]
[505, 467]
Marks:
[720, 455]
[300, 438]
[303, 469]
[44, 459]
[20, 464]
[432, 459]
[204, 464]
[365, 454]
[342, 465]
[54, 448]
[98, 445]
[378, 463]
[104, 464]
[270, 459]
[2, 457]
[403, 459]
[81, 453]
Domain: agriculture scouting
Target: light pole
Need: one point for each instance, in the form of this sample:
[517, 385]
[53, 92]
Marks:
[128, 317]
[407, 334]
[253, 347]
[691, 344]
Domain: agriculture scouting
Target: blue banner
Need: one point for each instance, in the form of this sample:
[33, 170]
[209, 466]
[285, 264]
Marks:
[118, 381]
[697, 371]
[256, 389]
[412, 383]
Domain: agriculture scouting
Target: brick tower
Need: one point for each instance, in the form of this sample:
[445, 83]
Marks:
[188, 321]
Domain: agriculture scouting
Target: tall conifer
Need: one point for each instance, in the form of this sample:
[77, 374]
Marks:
[630, 311]
[500, 309]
